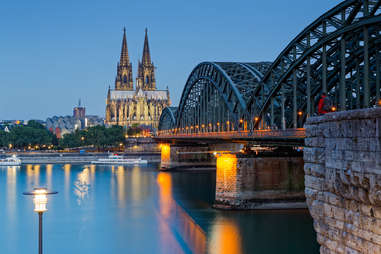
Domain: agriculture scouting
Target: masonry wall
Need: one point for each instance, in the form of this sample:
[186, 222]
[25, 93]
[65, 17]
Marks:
[343, 180]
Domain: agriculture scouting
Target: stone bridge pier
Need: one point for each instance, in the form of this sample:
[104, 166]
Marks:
[249, 180]
[193, 155]
[343, 180]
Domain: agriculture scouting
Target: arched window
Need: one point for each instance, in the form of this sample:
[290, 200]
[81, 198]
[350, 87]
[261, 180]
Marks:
[125, 79]
[147, 79]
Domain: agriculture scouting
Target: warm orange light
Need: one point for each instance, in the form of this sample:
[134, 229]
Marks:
[226, 172]
[300, 113]
[10, 146]
[225, 237]
[379, 102]
[218, 124]
[196, 126]
[227, 122]
[121, 144]
[333, 108]
[165, 154]
[256, 118]
[82, 138]
[241, 121]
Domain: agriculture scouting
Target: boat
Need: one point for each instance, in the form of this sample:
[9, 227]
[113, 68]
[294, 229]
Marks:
[118, 159]
[10, 161]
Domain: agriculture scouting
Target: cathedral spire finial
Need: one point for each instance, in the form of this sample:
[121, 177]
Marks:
[124, 59]
[146, 59]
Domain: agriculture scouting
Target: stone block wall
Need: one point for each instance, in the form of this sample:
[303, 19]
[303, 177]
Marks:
[176, 156]
[343, 180]
[259, 183]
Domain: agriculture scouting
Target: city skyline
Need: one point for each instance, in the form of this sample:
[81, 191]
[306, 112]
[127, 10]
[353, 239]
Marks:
[53, 54]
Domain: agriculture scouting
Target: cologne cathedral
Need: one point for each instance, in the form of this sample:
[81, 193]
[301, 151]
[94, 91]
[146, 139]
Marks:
[125, 105]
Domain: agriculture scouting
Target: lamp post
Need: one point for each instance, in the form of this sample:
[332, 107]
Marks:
[40, 200]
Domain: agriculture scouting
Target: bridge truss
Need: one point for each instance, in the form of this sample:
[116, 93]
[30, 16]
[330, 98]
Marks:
[338, 54]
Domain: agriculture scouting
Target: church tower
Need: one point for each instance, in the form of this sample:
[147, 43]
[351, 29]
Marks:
[123, 80]
[146, 70]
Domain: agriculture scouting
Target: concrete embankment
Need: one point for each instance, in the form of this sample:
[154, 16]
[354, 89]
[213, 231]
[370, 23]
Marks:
[76, 158]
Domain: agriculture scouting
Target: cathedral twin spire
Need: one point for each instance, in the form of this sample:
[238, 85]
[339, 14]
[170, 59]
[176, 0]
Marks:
[146, 76]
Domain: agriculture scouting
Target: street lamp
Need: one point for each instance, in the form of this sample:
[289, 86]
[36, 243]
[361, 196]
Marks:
[40, 201]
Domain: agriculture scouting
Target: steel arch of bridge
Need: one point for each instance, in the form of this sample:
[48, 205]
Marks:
[339, 54]
[168, 118]
[216, 94]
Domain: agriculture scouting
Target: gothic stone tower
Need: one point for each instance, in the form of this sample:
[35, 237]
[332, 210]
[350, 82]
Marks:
[123, 80]
[143, 106]
[146, 69]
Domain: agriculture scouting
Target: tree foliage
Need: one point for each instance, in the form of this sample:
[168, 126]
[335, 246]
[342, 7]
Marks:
[98, 136]
[31, 134]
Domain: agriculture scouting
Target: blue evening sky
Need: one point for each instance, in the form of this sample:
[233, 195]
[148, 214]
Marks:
[54, 52]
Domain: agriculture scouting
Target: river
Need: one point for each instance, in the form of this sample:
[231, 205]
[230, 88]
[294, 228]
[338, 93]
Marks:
[137, 209]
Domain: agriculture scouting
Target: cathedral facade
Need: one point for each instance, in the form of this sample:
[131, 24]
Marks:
[127, 106]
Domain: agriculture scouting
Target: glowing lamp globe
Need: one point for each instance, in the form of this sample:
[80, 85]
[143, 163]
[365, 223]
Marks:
[40, 198]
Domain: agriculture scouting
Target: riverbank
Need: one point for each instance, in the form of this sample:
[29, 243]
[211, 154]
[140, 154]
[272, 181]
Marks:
[77, 158]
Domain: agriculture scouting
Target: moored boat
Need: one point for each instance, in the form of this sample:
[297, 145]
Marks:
[10, 161]
[118, 159]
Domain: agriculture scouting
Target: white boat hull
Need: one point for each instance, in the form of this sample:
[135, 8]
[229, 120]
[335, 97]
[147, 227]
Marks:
[120, 162]
[10, 163]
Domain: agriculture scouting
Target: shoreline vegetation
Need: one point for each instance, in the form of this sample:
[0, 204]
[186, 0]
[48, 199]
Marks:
[35, 137]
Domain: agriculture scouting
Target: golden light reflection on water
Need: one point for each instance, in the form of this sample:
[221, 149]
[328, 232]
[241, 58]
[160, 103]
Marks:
[136, 182]
[174, 218]
[11, 191]
[33, 176]
[225, 237]
[82, 185]
[66, 169]
[120, 179]
[49, 168]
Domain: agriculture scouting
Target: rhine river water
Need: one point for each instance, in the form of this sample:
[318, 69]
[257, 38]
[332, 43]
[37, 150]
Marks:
[137, 209]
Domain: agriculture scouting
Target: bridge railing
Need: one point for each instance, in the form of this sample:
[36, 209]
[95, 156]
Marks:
[266, 133]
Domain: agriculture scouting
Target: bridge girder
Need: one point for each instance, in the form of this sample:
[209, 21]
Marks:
[216, 93]
[338, 54]
[320, 59]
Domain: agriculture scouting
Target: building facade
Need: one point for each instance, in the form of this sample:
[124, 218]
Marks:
[61, 125]
[127, 106]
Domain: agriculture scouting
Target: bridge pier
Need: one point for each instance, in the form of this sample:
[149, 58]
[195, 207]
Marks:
[186, 156]
[343, 180]
[244, 182]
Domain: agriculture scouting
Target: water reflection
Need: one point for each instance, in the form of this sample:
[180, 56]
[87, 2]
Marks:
[225, 237]
[66, 169]
[82, 185]
[120, 178]
[175, 221]
[148, 212]
[11, 191]
[33, 176]
[49, 168]
[136, 183]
